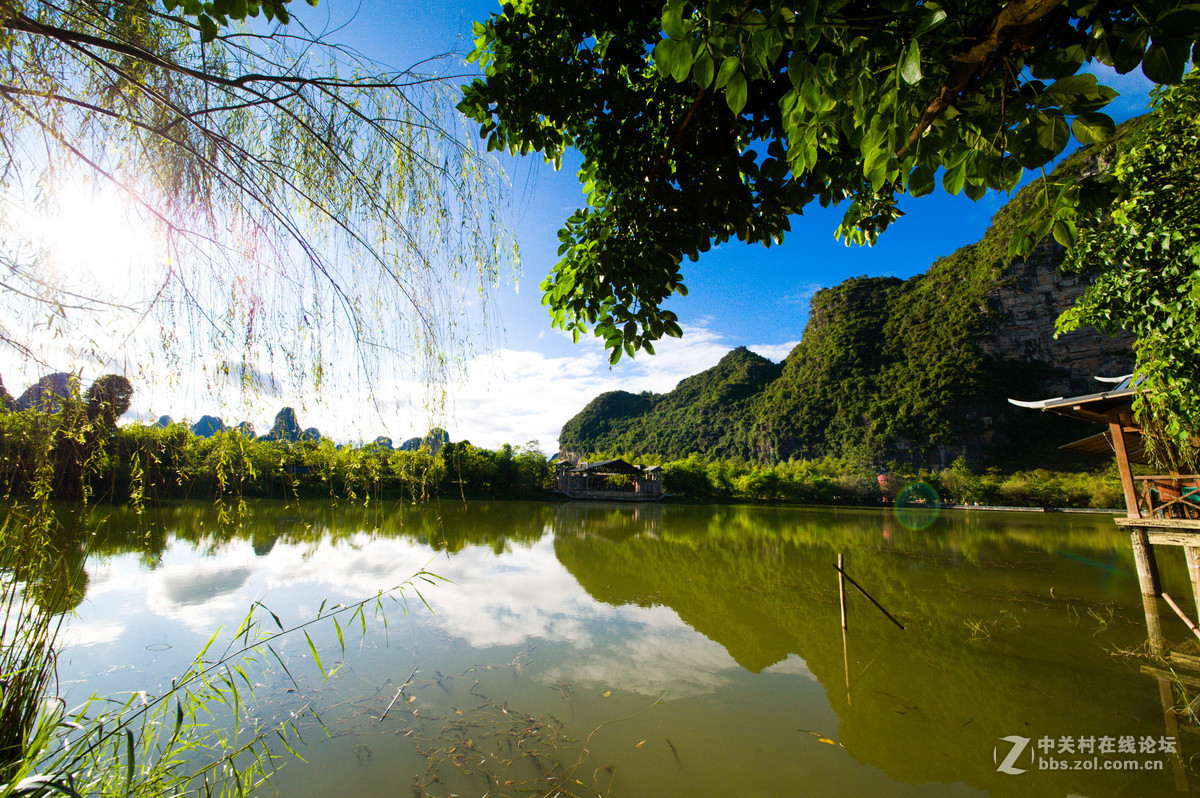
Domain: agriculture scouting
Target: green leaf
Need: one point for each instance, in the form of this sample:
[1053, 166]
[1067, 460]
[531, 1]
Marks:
[1064, 233]
[954, 178]
[316, 657]
[934, 16]
[670, 56]
[735, 93]
[974, 191]
[672, 21]
[1162, 65]
[729, 67]
[810, 94]
[129, 760]
[703, 70]
[910, 63]
[1093, 127]
[1058, 62]
[1053, 132]
[1064, 90]
[208, 28]
[921, 181]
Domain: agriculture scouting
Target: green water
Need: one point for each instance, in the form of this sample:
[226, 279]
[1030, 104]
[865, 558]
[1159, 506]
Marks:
[656, 650]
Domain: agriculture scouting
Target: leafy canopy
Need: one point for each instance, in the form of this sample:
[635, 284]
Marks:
[703, 121]
[1145, 249]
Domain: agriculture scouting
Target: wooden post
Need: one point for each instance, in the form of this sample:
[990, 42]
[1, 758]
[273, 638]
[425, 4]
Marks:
[1143, 558]
[1117, 430]
[1193, 563]
[842, 589]
[1158, 643]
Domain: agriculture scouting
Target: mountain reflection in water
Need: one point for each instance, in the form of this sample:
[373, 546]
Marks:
[590, 614]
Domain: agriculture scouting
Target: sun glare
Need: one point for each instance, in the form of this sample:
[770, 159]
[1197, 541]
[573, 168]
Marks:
[94, 244]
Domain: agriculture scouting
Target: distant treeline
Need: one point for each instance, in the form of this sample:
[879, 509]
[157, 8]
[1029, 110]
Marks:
[72, 454]
[64, 455]
[838, 480]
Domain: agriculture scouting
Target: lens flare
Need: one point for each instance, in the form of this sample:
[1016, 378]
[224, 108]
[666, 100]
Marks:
[917, 506]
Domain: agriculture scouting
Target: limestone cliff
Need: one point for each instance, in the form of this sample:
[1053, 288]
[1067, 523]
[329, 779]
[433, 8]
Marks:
[917, 371]
[1024, 307]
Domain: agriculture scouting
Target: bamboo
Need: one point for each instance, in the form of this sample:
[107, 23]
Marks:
[870, 598]
[846, 664]
[1182, 615]
[842, 588]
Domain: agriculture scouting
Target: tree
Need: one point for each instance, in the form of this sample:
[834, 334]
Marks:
[307, 199]
[108, 399]
[1145, 251]
[700, 122]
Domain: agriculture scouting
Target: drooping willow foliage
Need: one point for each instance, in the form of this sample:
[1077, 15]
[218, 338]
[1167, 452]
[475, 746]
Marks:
[316, 213]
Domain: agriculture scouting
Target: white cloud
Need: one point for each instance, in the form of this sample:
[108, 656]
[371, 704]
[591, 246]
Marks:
[504, 396]
[519, 597]
[507, 395]
[776, 352]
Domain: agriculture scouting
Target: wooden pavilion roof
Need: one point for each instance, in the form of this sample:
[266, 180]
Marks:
[1103, 407]
[617, 466]
[1101, 444]
[1095, 407]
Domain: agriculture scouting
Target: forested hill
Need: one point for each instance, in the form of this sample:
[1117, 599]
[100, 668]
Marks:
[917, 371]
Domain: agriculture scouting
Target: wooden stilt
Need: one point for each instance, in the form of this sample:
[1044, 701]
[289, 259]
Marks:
[1158, 643]
[1143, 558]
[1117, 430]
[1193, 563]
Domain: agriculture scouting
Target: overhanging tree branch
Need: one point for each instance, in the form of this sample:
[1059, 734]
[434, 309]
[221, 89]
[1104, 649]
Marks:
[1013, 28]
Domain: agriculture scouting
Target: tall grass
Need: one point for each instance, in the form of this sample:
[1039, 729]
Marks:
[28, 648]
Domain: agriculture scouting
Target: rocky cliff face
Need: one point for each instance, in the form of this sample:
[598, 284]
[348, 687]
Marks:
[1024, 308]
[916, 371]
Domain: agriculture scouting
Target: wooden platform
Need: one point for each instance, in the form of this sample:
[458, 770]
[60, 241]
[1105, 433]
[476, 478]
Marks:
[1165, 531]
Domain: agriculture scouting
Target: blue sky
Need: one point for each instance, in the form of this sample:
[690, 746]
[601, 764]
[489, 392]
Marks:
[531, 379]
[738, 295]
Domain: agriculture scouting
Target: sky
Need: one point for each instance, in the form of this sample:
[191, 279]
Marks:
[528, 379]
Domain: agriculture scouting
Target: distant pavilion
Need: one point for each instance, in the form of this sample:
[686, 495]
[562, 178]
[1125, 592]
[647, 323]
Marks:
[610, 480]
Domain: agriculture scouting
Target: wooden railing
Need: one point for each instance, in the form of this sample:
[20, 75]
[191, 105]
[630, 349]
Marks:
[1169, 496]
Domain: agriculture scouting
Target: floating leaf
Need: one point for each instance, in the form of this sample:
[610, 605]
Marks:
[606, 693]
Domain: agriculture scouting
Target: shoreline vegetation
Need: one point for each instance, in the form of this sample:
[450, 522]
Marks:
[66, 455]
[79, 454]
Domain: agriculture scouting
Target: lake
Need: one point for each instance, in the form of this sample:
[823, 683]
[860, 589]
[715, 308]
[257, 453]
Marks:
[662, 650]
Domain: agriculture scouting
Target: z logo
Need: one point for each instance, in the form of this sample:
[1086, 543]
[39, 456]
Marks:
[1018, 746]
